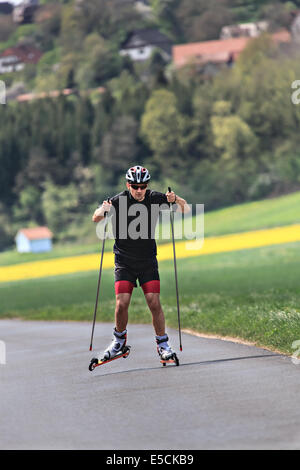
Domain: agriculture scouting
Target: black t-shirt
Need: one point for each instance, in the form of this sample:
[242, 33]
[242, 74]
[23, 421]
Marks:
[134, 223]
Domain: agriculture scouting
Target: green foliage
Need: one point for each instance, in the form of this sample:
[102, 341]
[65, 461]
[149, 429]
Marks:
[111, 20]
[231, 134]
[29, 206]
[226, 139]
[59, 205]
[161, 125]
[99, 62]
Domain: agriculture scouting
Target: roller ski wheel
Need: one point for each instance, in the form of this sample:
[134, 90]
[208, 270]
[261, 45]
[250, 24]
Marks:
[172, 360]
[95, 362]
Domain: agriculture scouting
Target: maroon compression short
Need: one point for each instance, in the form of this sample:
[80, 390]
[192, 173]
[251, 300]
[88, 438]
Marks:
[126, 287]
[128, 271]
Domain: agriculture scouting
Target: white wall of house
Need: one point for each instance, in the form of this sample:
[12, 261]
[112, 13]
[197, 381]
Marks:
[139, 53]
[23, 244]
[10, 64]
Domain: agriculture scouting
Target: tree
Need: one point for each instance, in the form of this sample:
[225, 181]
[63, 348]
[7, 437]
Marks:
[112, 20]
[38, 168]
[84, 117]
[60, 205]
[71, 35]
[6, 230]
[208, 25]
[129, 95]
[161, 127]
[232, 135]
[98, 62]
[165, 15]
[29, 205]
[190, 21]
[119, 146]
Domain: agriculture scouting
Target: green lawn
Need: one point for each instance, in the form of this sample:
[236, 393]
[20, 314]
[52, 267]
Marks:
[268, 213]
[252, 294]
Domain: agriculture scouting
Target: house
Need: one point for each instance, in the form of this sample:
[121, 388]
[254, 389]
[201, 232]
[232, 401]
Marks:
[251, 30]
[6, 8]
[14, 59]
[140, 44]
[24, 11]
[144, 8]
[217, 53]
[34, 240]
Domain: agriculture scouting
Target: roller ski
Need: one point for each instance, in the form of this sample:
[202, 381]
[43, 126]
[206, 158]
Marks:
[116, 350]
[165, 352]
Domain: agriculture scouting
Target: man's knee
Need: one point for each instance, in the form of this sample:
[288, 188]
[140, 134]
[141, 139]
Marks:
[153, 301]
[122, 302]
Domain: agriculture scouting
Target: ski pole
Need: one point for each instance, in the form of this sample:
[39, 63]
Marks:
[175, 268]
[99, 278]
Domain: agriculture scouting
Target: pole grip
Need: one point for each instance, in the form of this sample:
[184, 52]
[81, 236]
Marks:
[105, 213]
[170, 203]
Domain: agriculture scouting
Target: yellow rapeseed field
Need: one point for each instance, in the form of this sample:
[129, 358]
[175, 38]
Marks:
[225, 243]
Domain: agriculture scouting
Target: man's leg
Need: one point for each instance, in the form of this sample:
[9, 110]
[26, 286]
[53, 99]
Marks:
[123, 290]
[152, 295]
[121, 311]
[158, 317]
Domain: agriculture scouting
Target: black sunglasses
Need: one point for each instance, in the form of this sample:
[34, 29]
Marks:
[135, 186]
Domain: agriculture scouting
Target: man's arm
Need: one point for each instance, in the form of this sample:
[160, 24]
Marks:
[182, 205]
[100, 211]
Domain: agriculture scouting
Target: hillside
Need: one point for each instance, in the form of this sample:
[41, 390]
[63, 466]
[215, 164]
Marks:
[224, 139]
[73, 35]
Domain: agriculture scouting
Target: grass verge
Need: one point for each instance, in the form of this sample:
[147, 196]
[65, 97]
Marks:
[251, 294]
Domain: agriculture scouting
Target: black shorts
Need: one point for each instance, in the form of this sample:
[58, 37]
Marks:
[130, 270]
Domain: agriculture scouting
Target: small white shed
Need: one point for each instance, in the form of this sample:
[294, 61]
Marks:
[34, 240]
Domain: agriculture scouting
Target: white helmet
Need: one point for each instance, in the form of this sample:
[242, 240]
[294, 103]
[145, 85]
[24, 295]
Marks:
[137, 174]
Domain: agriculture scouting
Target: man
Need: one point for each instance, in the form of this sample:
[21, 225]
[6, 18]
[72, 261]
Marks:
[135, 256]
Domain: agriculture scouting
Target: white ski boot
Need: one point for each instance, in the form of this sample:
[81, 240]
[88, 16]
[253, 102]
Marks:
[117, 345]
[115, 350]
[166, 353]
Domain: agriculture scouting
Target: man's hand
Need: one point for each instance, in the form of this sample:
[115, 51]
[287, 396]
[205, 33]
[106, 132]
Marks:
[100, 211]
[182, 205]
[171, 196]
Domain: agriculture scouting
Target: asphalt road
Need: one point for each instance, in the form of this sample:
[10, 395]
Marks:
[223, 396]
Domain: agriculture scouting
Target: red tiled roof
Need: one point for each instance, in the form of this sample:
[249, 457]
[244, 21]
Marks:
[36, 233]
[25, 54]
[55, 93]
[217, 51]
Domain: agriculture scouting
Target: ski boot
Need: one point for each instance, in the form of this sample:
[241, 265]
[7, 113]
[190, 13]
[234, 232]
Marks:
[165, 352]
[115, 350]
